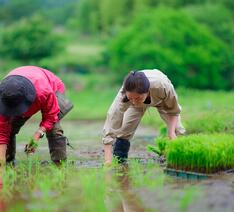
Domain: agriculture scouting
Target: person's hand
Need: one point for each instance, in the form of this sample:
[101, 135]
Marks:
[172, 135]
[36, 136]
[31, 147]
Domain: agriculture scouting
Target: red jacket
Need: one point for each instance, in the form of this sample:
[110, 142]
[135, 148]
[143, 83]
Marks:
[46, 84]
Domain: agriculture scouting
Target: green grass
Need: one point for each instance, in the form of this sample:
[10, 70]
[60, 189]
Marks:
[207, 111]
[90, 104]
[202, 111]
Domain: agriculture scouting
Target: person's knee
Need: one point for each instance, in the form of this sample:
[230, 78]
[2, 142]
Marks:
[120, 149]
[54, 133]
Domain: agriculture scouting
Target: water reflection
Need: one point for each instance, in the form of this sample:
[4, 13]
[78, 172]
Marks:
[122, 193]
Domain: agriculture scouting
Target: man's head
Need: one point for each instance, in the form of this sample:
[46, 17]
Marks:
[136, 87]
[17, 93]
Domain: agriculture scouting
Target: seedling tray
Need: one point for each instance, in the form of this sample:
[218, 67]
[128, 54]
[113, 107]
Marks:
[194, 175]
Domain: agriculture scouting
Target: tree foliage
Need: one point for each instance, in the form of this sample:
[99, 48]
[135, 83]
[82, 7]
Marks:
[56, 11]
[173, 42]
[13, 10]
[219, 20]
[108, 17]
[29, 39]
[216, 17]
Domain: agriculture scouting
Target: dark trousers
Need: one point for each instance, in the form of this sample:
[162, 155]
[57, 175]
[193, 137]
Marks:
[56, 141]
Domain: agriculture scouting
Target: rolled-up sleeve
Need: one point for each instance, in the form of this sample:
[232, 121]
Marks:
[114, 118]
[167, 94]
[49, 110]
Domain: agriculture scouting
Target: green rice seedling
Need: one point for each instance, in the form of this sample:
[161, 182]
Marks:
[154, 149]
[201, 153]
[46, 189]
[207, 153]
[92, 190]
[163, 131]
[8, 180]
[145, 175]
[70, 188]
[33, 144]
[160, 146]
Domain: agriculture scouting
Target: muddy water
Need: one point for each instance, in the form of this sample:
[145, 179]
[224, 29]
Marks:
[174, 194]
[86, 138]
[190, 195]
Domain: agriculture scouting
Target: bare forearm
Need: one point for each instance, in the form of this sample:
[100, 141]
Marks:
[3, 148]
[172, 122]
[108, 154]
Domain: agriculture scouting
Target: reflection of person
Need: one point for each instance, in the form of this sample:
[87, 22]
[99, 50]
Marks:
[23, 92]
[121, 194]
[141, 90]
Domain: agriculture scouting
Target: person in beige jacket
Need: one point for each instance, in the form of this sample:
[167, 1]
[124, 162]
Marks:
[140, 90]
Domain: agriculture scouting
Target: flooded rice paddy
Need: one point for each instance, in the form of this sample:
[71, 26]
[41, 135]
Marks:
[87, 186]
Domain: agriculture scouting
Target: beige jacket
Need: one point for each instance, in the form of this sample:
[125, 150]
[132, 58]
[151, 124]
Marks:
[162, 95]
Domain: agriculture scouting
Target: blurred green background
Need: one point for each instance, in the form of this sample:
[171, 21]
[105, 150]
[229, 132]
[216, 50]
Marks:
[93, 44]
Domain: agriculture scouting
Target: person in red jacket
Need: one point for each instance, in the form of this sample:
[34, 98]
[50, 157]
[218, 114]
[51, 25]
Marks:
[23, 92]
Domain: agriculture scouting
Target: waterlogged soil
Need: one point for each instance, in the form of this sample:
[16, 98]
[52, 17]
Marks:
[170, 194]
[85, 138]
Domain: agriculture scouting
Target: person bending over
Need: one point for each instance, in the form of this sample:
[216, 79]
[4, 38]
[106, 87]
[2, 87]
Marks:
[23, 92]
[140, 90]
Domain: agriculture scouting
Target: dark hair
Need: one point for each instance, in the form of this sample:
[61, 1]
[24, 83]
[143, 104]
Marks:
[136, 81]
